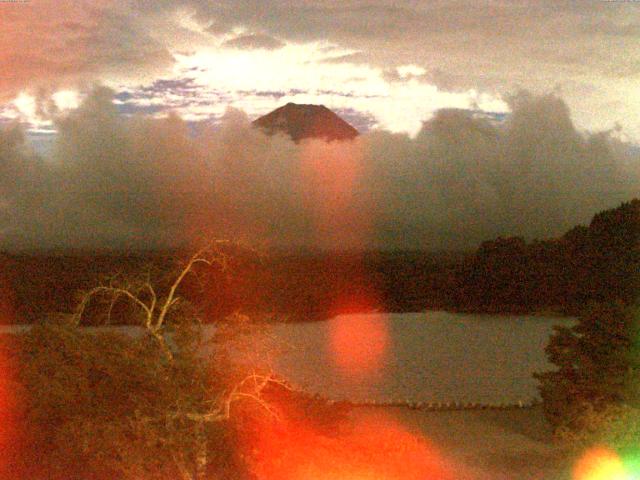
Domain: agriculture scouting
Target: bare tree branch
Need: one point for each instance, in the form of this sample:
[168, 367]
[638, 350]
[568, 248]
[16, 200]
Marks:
[149, 302]
[171, 299]
[157, 308]
[109, 291]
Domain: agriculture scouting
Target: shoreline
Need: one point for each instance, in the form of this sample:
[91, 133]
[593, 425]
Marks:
[325, 318]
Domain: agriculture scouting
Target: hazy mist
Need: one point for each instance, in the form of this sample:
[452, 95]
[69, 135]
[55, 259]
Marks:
[115, 181]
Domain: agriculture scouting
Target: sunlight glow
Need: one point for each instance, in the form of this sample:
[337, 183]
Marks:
[66, 99]
[375, 448]
[25, 108]
[255, 80]
[25, 104]
[298, 66]
[600, 463]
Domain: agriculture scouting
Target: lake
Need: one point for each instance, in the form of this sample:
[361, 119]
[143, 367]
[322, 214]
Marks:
[426, 357]
[416, 357]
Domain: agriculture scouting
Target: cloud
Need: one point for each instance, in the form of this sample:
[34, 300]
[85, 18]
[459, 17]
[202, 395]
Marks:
[360, 121]
[50, 44]
[587, 50]
[615, 27]
[254, 42]
[405, 73]
[495, 47]
[308, 21]
[139, 182]
[355, 58]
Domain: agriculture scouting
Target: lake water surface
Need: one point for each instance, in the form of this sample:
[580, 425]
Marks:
[429, 357]
[417, 357]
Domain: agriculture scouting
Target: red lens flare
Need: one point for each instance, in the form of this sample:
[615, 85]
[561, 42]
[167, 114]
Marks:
[329, 173]
[358, 344]
[374, 448]
[10, 437]
[9, 401]
[7, 297]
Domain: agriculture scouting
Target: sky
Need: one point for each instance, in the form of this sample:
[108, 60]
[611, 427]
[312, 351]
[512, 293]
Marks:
[391, 64]
[127, 122]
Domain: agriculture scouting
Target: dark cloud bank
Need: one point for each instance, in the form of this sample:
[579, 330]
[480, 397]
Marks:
[114, 181]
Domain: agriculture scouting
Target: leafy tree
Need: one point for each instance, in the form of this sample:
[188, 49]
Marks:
[598, 363]
[615, 242]
[616, 425]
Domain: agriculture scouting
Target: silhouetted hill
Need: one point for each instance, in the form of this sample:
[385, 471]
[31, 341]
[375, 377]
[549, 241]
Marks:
[595, 263]
[306, 121]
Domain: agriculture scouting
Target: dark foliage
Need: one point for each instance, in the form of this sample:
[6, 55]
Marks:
[289, 285]
[101, 405]
[597, 362]
[598, 263]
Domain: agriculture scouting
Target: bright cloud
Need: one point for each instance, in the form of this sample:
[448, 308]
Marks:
[396, 61]
[205, 83]
[66, 99]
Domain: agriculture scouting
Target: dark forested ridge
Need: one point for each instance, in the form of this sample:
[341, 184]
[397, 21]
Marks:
[598, 262]
[290, 285]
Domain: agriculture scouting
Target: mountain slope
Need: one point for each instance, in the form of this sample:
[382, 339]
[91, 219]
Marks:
[306, 121]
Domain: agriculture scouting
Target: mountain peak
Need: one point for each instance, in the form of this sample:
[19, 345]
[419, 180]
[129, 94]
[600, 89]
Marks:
[302, 121]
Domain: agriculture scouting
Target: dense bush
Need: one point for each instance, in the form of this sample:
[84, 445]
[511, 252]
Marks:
[147, 402]
[105, 404]
[595, 263]
[598, 371]
[616, 425]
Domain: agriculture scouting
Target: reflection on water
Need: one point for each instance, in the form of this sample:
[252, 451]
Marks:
[430, 357]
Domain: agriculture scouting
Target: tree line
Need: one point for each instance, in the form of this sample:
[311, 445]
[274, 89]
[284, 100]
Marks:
[592, 395]
[595, 263]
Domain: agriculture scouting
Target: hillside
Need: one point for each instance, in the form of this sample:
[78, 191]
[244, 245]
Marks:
[599, 262]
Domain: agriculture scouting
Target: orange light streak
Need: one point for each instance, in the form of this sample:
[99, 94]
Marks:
[329, 173]
[374, 448]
